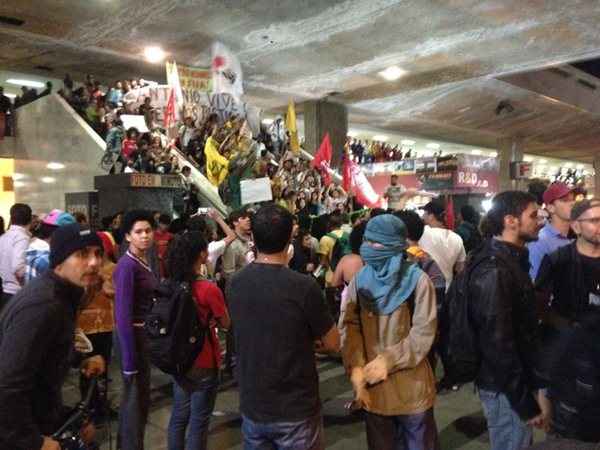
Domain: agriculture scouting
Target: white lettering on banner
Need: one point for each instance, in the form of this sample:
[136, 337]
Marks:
[471, 179]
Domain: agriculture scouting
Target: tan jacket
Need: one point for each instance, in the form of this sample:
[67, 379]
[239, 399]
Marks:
[98, 315]
[410, 386]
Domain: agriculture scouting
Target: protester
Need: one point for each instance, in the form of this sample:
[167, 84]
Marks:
[37, 255]
[559, 199]
[278, 314]
[388, 327]
[134, 283]
[502, 310]
[445, 246]
[468, 230]
[162, 238]
[304, 259]
[13, 245]
[326, 247]
[194, 393]
[36, 342]
[97, 322]
[395, 194]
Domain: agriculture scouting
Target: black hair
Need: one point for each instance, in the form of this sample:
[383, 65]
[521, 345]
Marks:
[199, 224]
[130, 131]
[137, 215]
[237, 215]
[20, 214]
[272, 227]
[537, 189]
[414, 224]
[356, 236]
[44, 230]
[2, 226]
[80, 217]
[186, 168]
[377, 212]
[164, 219]
[508, 203]
[335, 220]
[470, 214]
[106, 221]
[182, 254]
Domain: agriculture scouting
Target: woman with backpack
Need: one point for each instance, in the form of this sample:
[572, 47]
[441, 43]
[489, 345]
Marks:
[194, 394]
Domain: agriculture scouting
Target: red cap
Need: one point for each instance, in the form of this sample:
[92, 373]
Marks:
[555, 191]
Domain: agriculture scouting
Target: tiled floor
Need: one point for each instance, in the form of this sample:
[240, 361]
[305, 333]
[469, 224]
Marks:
[458, 415]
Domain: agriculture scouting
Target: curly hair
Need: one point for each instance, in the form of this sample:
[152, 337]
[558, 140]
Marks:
[137, 215]
[182, 254]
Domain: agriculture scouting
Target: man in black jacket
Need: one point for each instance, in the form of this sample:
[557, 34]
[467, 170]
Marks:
[568, 283]
[503, 316]
[37, 332]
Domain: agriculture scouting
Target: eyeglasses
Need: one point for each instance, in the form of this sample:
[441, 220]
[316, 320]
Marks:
[593, 220]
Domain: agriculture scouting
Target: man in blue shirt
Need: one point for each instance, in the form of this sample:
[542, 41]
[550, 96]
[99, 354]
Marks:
[559, 199]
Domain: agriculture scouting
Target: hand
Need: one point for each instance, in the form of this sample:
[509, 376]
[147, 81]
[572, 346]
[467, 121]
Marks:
[213, 214]
[88, 433]
[546, 408]
[359, 383]
[376, 370]
[50, 444]
[537, 421]
[310, 267]
[93, 366]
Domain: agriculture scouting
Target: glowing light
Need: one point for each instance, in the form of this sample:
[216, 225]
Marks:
[48, 180]
[407, 142]
[486, 205]
[476, 152]
[392, 73]
[433, 146]
[267, 121]
[17, 176]
[352, 133]
[154, 55]
[494, 154]
[55, 166]
[380, 137]
[28, 83]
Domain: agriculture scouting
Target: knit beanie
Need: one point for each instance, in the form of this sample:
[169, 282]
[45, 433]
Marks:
[68, 239]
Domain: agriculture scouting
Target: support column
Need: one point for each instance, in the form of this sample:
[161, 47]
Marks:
[509, 150]
[322, 117]
[597, 176]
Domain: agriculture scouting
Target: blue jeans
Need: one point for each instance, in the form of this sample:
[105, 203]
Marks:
[193, 405]
[301, 435]
[406, 432]
[507, 430]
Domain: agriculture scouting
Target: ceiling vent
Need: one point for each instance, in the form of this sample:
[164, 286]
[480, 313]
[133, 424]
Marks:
[11, 21]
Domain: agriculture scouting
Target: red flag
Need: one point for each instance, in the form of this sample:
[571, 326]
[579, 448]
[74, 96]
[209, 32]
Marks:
[450, 213]
[354, 180]
[322, 159]
[170, 110]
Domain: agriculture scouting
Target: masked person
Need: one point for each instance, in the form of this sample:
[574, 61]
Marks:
[388, 327]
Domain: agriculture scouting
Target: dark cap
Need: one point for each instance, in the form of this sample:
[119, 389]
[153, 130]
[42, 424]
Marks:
[434, 207]
[555, 191]
[68, 239]
[582, 206]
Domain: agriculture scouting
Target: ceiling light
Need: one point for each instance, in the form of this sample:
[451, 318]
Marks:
[476, 152]
[494, 154]
[28, 83]
[55, 166]
[47, 180]
[352, 133]
[528, 158]
[407, 142]
[568, 165]
[580, 166]
[380, 137]
[392, 73]
[154, 54]
[17, 176]
[543, 161]
[18, 184]
[267, 121]
[433, 145]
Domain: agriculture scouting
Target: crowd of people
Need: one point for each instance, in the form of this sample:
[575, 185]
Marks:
[367, 152]
[381, 289]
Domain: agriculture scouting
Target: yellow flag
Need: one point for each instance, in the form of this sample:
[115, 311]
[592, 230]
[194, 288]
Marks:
[216, 164]
[290, 124]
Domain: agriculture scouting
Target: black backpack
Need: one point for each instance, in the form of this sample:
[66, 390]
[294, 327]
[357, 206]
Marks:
[175, 333]
[459, 346]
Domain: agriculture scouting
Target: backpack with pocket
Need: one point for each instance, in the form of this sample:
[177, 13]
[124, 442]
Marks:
[175, 332]
[459, 346]
[340, 249]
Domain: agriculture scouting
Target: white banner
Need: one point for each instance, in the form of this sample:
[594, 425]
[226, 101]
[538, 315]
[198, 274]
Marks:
[256, 191]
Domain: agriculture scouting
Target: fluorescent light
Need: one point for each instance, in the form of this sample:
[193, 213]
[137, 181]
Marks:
[154, 54]
[18, 184]
[494, 154]
[476, 152]
[17, 176]
[407, 142]
[267, 121]
[352, 133]
[433, 145]
[392, 73]
[28, 83]
[47, 180]
[543, 161]
[380, 137]
[55, 166]
[10, 95]
[528, 158]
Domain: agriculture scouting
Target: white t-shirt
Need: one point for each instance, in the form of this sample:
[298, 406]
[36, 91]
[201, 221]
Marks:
[445, 247]
[215, 249]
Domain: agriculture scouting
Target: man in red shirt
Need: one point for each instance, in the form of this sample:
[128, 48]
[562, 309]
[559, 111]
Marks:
[162, 237]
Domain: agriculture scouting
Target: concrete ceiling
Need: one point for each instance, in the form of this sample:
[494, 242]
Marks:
[461, 57]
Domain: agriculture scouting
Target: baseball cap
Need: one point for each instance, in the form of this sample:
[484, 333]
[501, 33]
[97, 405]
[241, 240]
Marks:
[58, 218]
[434, 207]
[582, 206]
[555, 191]
[68, 239]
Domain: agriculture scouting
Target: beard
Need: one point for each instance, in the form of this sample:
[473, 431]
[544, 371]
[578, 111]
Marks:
[528, 237]
[591, 240]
